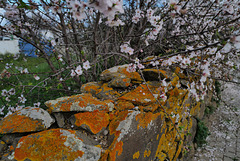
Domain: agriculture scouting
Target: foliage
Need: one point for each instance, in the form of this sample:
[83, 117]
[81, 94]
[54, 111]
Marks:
[75, 40]
[201, 134]
[209, 110]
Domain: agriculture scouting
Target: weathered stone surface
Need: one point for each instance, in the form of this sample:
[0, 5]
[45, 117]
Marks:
[91, 87]
[154, 74]
[123, 105]
[117, 119]
[54, 144]
[3, 147]
[81, 102]
[120, 72]
[105, 92]
[141, 95]
[28, 119]
[60, 119]
[139, 130]
[94, 122]
[121, 82]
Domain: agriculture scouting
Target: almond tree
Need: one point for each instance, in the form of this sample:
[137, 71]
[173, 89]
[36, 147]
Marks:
[201, 37]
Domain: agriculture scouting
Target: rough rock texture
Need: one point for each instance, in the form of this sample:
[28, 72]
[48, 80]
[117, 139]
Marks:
[116, 119]
[54, 144]
[29, 119]
[81, 102]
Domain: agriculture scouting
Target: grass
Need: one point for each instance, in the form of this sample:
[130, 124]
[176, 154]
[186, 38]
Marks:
[46, 90]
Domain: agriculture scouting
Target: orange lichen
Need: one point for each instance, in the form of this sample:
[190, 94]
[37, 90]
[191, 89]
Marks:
[20, 123]
[11, 148]
[144, 118]
[124, 105]
[46, 145]
[116, 151]
[136, 155]
[134, 76]
[91, 87]
[141, 95]
[147, 153]
[78, 101]
[119, 116]
[106, 92]
[96, 120]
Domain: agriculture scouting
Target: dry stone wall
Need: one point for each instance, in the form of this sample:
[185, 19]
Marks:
[120, 118]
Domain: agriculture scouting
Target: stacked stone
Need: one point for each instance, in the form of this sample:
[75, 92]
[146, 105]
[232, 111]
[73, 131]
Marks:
[119, 118]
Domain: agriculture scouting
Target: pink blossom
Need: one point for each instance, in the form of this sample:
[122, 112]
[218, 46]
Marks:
[79, 70]
[73, 73]
[131, 68]
[36, 77]
[86, 65]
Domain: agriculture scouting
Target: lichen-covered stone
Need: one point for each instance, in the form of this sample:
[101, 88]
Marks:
[154, 74]
[28, 119]
[123, 105]
[3, 147]
[91, 87]
[81, 102]
[120, 72]
[53, 145]
[121, 82]
[141, 95]
[105, 93]
[94, 121]
[133, 131]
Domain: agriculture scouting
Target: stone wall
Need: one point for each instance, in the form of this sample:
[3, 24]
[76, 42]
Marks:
[120, 118]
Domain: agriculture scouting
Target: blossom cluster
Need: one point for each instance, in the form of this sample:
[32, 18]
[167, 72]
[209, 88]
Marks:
[78, 71]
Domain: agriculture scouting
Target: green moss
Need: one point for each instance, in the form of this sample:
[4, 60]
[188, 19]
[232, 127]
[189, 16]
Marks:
[201, 134]
[209, 110]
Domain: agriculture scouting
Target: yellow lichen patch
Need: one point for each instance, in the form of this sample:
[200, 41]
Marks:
[178, 151]
[174, 92]
[177, 70]
[180, 73]
[160, 147]
[141, 96]
[175, 80]
[147, 153]
[117, 118]
[48, 145]
[124, 105]
[96, 120]
[136, 155]
[145, 118]
[196, 109]
[20, 123]
[151, 107]
[172, 150]
[157, 137]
